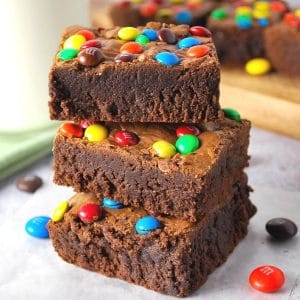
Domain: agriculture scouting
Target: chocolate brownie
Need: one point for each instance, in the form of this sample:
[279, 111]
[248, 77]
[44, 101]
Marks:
[165, 81]
[238, 28]
[184, 186]
[174, 259]
[283, 44]
[132, 13]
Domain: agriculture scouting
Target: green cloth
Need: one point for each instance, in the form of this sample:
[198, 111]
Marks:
[20, 149]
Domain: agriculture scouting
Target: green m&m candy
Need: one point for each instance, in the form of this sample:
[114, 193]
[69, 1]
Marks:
[142, 40]
[219, 14]
[67, 54]
[187, 143]
[232, 114]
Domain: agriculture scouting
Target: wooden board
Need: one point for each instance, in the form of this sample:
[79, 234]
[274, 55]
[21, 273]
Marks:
[271, 101]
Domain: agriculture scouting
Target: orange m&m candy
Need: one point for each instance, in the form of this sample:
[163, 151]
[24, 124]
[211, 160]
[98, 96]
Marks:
[197, 51]
[131, 48]
[266, 279]
[89, 35]
[71, 130]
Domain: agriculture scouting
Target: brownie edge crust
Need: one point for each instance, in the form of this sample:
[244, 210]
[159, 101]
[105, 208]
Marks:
[175, 259]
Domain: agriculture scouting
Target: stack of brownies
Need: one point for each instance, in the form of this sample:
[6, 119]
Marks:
[162, 197]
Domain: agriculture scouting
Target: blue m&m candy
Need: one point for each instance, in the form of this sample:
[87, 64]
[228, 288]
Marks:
[188, 42]
[244, 22]
[263, 22]
[167, 58]
[36, 227]
[183, 17]
[151, 34]
[146, 224]
[112, 204]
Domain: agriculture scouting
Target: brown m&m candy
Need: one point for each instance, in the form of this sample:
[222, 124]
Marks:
[167, 35]
[29, 184]
[124, 57]
[90, 57]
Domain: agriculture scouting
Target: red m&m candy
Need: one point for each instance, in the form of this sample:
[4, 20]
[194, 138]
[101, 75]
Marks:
[266, 279]
[126, 138]
[278, 6]
[91, 43]
[200, 31]
[124, 3]
[89, 35]
[90, 212]
[71, 130]
[182, 130]
[148, 10]
[197, 51]
[132, 48]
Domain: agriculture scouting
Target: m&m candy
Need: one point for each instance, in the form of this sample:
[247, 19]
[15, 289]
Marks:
[96, 133]
[71, 130]
[146, 224]
[244, 22]
[148, 10]
[219, 14]
[267, 279]
[36, 227]
[59, 211]
[89, 35]
[131, 48]
[164, 149]
[188, 42]
[126, 138]
[128, 33]
[200, 31]
[151, 34]
[74, 42]
[197, 51]
[90, 212]
[167, 58]
[182, 130]
[281, 228]
[112, 204]
[124, 57]
[232, 114]
[263, 22]
[183, 17]
[167, 35]
[67, 54]
[258, 66]
[187, 144]
[90, 57]
[91, 43]
[142, 40]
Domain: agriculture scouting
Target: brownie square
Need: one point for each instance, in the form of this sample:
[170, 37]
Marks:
[238, 29]
[143, 90]
[183, 186]
[283, 45]
[174, 259]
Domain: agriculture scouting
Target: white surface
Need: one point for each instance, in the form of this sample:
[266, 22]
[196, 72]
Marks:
[30, 269]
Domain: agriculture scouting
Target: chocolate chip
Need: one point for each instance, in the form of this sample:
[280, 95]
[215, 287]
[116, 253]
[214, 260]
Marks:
[90, 57]
[167, 35]
[281, 228]
[124, 57]
[29, 184]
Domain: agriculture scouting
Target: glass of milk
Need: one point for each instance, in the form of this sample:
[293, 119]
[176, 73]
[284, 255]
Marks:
[30, 33]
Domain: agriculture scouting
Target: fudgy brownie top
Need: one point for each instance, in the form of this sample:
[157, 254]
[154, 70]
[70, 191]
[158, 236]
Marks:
[184, 148]
[177, 46]
[247, 14]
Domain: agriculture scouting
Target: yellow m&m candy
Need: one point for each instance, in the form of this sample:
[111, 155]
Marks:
[59, 211]
[96, 133]
[243, 10]
[164, 149]
[297, 13]
[177, 1]
[128, 33]
[258, 66]
[164, 13]
[74, 42]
